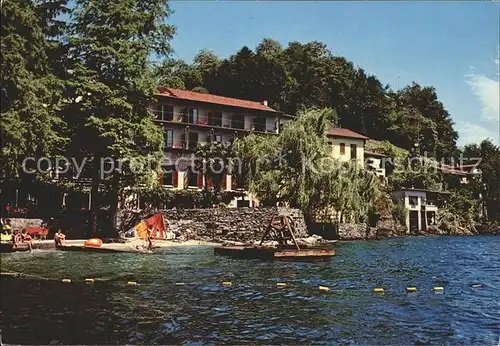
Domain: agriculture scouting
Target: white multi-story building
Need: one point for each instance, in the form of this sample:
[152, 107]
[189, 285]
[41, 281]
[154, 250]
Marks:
[190, 119]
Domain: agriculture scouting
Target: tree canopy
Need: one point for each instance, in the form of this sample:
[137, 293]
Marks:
[305, 75]
[296, 167]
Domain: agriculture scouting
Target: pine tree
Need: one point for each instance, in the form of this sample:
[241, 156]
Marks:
[30, 90]
[111, 42]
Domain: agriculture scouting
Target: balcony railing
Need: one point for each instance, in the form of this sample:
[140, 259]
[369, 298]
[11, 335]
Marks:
[211, 121]
[186, 145]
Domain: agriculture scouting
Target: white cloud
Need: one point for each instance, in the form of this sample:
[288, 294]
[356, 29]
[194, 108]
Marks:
[474, 133]
[487, 90]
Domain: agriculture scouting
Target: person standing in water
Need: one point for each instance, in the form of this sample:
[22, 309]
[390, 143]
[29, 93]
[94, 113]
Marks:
[149, 237]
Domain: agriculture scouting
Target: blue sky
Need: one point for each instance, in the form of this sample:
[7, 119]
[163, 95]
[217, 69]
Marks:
[450, 45]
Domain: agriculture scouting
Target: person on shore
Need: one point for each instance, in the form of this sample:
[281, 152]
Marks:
[16, 238]
[7, 228]
[26, 238]
[59, 237]
[149, 237]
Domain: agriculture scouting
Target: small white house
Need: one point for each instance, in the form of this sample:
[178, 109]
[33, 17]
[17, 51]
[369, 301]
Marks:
[421, 206]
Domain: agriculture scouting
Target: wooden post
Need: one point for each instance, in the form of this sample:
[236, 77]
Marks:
[292, 232]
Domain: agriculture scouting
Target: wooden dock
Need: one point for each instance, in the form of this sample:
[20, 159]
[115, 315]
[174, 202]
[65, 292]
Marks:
[275, 253]
[280, 229]
[101, 249]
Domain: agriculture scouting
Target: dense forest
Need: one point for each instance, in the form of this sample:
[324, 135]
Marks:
[80, 87]
[304, 75]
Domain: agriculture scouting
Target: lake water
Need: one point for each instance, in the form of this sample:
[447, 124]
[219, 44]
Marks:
[254, 309]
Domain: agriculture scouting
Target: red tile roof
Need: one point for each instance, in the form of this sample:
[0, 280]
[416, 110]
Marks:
[339, 132]
[452, 170]
[209, 98]
[374, 154]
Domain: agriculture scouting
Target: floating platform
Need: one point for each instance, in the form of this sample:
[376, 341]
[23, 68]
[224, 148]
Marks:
[8, 247]
[99, 249]
[275, 253]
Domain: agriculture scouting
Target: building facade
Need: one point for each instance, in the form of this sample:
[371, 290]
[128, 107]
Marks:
[347, 145]
[190, 119]
[375, 162]
[421, 207]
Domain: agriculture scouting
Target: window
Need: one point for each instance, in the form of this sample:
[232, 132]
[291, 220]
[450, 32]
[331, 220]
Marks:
[342, 148]
[413, 201]
[193, 115]
[193, 140]
[218, 138]
[169, 138]
[168, 112]
[165, 112]
[184, 112]
[243, 203]
[167, 178]
[192, 178]
[353, 152]
[159, 112]
[238, 121]
[215, 119]
[259, 124]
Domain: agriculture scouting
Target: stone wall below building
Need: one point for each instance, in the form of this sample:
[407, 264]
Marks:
[22, 223]
[245, 225]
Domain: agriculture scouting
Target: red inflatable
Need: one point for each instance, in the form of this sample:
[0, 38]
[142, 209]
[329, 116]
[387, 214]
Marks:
[94, 242]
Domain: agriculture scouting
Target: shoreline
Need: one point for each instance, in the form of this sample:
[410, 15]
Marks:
[133, 243]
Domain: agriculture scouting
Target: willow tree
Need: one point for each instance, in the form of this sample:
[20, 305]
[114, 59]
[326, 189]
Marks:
[297, 167]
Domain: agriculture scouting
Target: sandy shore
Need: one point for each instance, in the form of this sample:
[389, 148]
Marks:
[162, 243]
[130, 244]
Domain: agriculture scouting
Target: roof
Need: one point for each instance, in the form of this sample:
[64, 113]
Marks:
[339, 132]
[452, 170]
[424, 190]
[374, 154]
[214, 99]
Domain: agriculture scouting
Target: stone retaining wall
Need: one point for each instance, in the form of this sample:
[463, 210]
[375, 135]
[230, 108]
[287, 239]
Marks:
[234, 224]
[21, 223]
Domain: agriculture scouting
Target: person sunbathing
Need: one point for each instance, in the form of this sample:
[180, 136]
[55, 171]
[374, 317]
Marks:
[59, 237]
[26, 238]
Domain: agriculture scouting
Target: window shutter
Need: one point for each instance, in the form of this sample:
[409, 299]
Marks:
[160, 177]
[200, 180]
[224, 182]
[342, 148]
[175, 178]
[210, 182]
[233, 182]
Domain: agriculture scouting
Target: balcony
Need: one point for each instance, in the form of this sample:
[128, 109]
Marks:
[236, 122]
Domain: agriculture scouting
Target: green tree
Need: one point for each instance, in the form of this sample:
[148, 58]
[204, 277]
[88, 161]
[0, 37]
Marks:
[113, 84]
[30, 90]
[213, 160]
[297, 167]
[487, 185]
